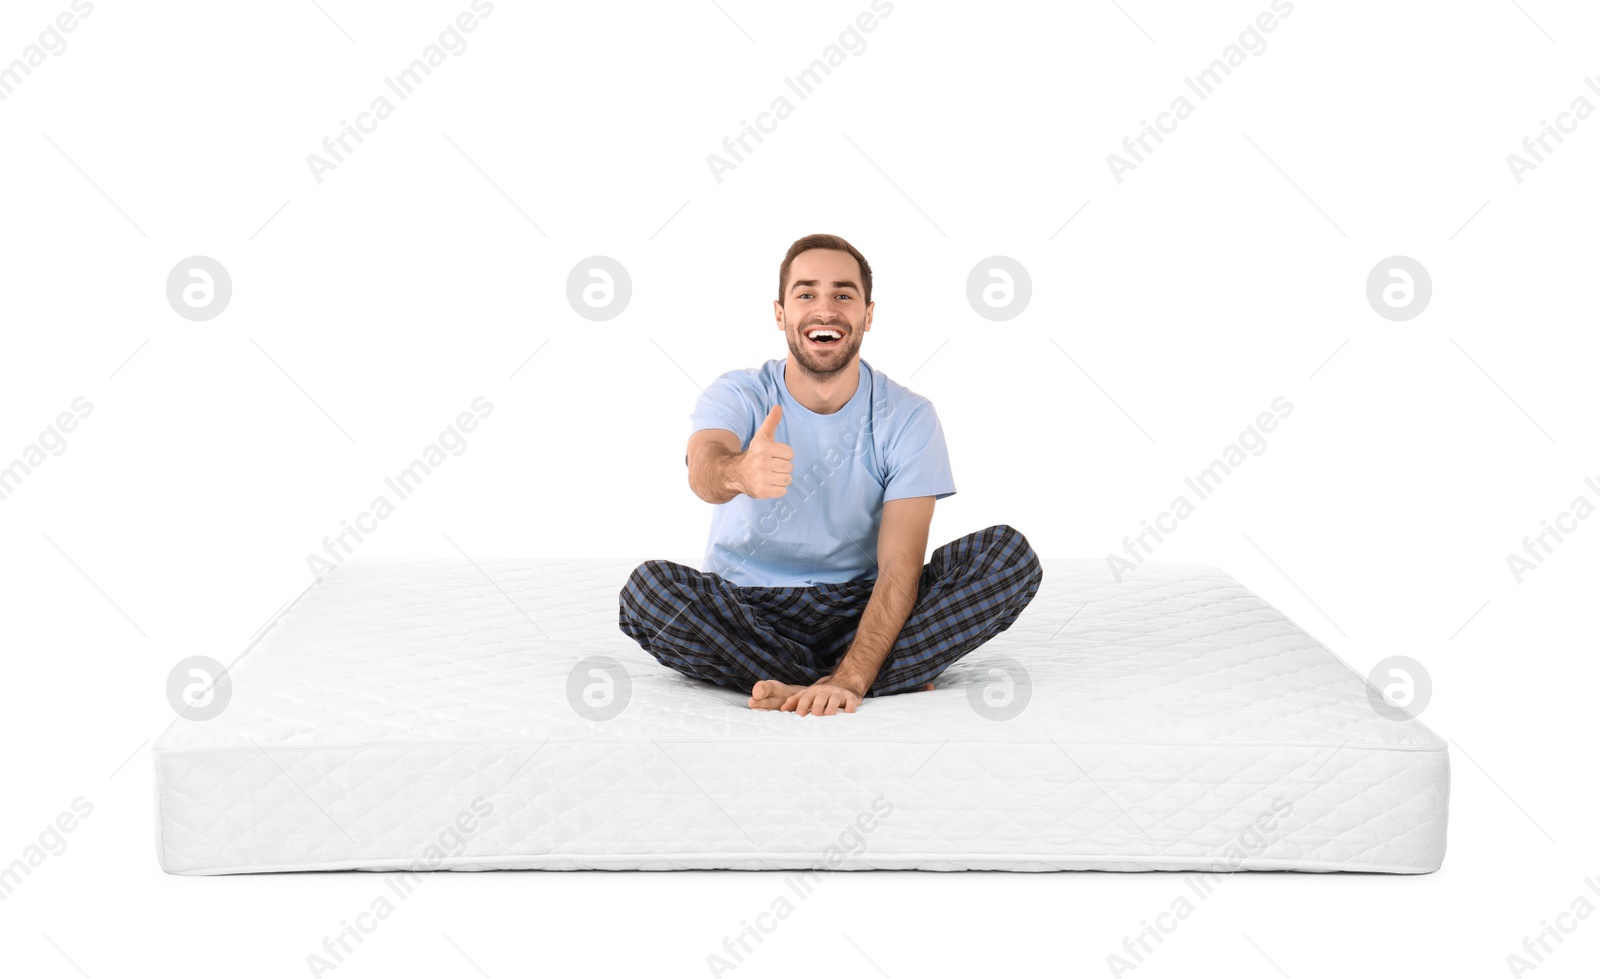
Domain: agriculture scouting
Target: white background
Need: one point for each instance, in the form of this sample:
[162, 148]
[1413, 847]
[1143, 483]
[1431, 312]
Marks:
[369, 309]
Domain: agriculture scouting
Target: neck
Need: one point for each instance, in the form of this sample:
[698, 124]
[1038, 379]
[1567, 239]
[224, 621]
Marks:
[822, 393]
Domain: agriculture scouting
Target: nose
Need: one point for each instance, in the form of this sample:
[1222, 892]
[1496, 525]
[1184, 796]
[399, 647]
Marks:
[824, 312]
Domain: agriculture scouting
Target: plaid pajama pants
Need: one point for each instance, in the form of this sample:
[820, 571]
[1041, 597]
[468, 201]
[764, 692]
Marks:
[703, 626]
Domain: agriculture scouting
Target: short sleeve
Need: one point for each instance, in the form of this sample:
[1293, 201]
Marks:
[917, 462]
[724, 404]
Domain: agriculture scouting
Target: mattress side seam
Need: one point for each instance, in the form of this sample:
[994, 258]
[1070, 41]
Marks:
[720, 859]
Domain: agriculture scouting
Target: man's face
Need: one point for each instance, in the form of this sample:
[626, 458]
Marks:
[824, 291]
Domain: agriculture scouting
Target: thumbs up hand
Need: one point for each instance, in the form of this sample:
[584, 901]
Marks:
[765, 466]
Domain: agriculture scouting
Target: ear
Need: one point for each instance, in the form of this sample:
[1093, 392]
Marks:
[777, 313]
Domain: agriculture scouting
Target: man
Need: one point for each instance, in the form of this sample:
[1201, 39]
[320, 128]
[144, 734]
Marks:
[824, 473]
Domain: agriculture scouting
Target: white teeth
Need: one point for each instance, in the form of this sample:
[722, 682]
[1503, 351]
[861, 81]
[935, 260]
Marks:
[825, 333]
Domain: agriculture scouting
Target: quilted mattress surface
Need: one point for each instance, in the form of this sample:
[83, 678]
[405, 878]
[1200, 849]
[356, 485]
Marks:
[459, 715]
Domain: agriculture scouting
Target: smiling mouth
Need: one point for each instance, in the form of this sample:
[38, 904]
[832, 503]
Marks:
[824, 336]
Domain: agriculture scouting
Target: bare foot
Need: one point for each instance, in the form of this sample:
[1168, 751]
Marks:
[925, 686]
[770, 694]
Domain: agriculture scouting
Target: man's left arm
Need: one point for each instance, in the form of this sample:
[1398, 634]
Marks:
[902, 543]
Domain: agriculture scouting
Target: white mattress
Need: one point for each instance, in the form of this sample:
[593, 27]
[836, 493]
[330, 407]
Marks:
[415, 715]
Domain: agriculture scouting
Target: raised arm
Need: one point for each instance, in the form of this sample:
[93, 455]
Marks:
[718, 471]
[713, 465]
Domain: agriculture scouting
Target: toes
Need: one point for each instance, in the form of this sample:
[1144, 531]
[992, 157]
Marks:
[767, 695]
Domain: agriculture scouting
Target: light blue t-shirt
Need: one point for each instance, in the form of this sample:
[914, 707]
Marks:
[884, 444]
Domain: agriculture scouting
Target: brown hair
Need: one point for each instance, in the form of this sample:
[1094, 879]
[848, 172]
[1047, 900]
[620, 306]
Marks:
[833, 242]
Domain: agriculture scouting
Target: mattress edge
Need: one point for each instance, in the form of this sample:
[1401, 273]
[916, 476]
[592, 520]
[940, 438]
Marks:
[770, 862]
[1439, 745]
[1423, 728]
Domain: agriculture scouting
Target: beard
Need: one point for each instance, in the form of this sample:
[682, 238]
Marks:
[828, 363]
